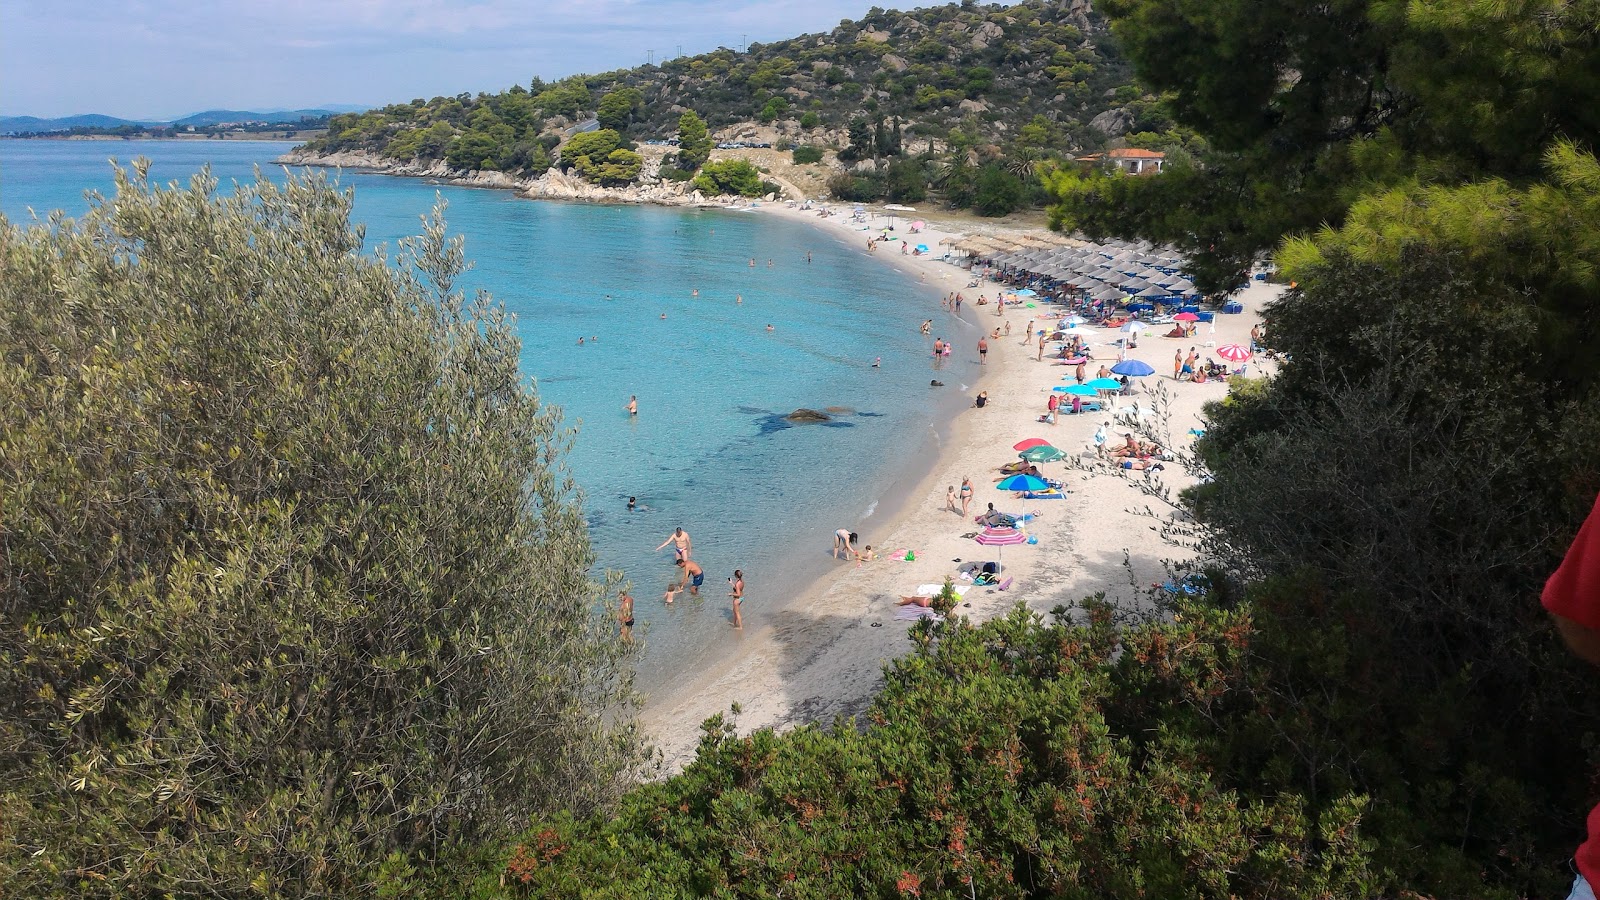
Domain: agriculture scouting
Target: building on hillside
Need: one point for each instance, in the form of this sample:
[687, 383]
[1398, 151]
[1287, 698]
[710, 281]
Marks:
[1128, 159]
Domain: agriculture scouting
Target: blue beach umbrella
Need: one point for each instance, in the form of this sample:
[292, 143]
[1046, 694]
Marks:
[1105, 384]
[1026, 293]
[1136, 368]
[1023, 483]
[1082, 390]
[923, 247]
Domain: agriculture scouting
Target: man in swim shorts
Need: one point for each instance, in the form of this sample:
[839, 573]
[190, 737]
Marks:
[983, 351]
[681, 544]
[693, 575]
[625, 616]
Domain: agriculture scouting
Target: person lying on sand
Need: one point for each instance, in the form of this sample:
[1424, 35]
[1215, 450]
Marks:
[914, 601]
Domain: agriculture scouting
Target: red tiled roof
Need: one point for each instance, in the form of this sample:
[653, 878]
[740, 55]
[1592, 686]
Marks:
[1132, 153]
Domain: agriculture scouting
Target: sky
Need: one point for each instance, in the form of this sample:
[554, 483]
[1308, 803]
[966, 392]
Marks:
[164, 59]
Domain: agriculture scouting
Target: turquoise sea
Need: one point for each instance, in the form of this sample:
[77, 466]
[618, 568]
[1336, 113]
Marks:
[708, 450]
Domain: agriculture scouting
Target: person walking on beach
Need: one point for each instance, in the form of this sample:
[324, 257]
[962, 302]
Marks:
[633, 405]
[1027, 333]
[737, 594]
[844, 539]
[1041, 346]
[966, 496]
[983, 351]
[681, 544]
[950, 499]
[1050, 407]
[958, 304]
[1008, 328]
[1177, 364]
[693, 575]
[625, 616]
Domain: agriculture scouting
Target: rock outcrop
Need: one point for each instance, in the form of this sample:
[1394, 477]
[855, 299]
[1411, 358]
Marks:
[808, 415]
[1113, 122]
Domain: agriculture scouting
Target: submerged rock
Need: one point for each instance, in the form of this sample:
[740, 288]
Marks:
[808, 415]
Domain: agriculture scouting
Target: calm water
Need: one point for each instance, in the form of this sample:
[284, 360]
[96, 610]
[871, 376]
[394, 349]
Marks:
[707, 451]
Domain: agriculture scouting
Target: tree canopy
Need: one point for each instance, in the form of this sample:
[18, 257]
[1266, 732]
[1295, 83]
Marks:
[294, 582]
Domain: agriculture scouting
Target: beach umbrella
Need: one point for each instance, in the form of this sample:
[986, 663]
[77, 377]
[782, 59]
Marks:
[1000, 538]
[1030, 443]
[1186, 317]
[1234, 352]
[1079, 330]
[1134, 367]
[1153, 291]
[923, 247]
[1075, 320]
[1023, 483]
[1027, 293]
[1042, 454]
[1082, 390]
[919, 224]
[1105, 384]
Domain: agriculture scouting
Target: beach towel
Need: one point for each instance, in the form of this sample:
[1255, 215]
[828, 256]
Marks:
[932, 590]
[1044, 495]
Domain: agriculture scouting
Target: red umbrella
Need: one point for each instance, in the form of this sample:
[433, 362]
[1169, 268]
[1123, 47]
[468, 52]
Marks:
[1029, 444]
[1185, 317]
[1234, 352]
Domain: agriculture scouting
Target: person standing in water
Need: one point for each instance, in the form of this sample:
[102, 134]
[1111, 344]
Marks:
[633, 405]
[983, 351]
[693, 576]
[737, 594]
[625, 616]
[681, 544]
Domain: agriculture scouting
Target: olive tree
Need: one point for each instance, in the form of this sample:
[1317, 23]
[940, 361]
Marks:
[293, 582]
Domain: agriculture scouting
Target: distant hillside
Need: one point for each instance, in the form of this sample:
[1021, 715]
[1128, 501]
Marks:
[272, 117]
[35, 125]
[208, 119]
[901, 102]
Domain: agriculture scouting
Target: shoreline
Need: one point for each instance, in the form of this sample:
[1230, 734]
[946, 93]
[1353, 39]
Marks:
[822, 653]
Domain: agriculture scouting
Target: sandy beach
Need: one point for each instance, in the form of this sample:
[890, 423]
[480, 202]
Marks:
[824, 655]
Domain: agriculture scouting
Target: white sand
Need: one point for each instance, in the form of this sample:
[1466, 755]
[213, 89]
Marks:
[824, 655]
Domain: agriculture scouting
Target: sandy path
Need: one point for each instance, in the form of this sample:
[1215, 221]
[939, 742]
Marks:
[824, 655]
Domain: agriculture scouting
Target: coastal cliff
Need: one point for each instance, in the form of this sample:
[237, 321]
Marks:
[552, 185]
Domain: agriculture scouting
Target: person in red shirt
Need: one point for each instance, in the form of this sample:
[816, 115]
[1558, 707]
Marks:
[1572, 597]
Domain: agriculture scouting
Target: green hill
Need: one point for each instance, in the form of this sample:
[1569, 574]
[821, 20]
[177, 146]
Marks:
[945, 98]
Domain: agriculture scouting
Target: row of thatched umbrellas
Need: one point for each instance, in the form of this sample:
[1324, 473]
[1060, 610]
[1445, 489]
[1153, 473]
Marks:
[1105, 271]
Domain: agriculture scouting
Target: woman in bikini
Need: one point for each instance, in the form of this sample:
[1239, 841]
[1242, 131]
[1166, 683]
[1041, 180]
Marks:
[966, 496]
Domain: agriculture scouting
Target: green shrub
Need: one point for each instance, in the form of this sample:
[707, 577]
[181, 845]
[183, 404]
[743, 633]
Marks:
[804, 155]
[730, 176]
[273, 628]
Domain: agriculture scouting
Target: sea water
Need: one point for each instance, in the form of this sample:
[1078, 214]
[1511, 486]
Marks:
[709, 450]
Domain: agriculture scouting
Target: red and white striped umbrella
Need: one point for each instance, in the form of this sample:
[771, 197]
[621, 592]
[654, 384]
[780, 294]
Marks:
[1234, 352]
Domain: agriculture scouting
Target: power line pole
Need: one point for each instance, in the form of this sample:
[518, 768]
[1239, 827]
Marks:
[650, 57]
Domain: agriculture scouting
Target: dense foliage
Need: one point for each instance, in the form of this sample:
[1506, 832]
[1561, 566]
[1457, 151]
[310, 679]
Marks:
[1385, 94]
[1433, 436]
[1009, 760]
[292, 582]
[963, 84]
